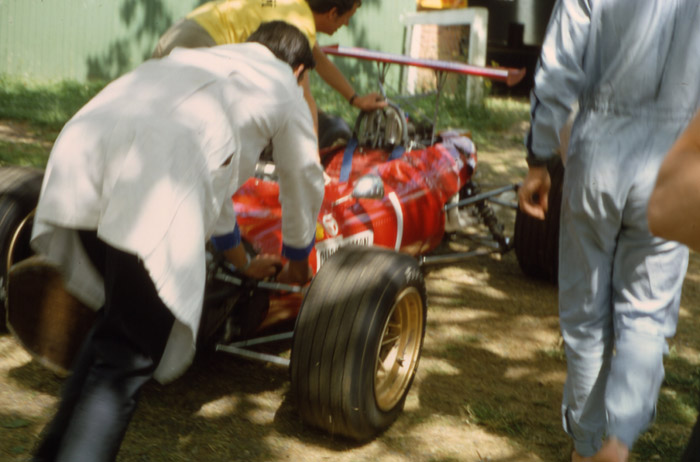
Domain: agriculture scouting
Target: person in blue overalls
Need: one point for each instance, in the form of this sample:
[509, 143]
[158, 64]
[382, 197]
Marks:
[632, 67]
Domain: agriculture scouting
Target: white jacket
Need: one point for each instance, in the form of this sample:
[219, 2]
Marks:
[152, 161]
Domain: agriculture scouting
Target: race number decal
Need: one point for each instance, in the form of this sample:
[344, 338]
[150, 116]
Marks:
[330, 225]
[325, 249]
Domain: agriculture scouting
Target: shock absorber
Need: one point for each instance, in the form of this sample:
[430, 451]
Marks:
[487, 216]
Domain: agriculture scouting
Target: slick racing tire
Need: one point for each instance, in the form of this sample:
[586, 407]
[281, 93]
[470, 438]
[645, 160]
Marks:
[357, 341]
[19, 193]
[332, 130]
[537, 241]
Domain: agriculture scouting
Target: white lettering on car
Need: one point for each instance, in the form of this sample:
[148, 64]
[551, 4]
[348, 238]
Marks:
[326, 248]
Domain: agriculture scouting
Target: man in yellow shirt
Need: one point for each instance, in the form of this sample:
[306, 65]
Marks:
[232, 21]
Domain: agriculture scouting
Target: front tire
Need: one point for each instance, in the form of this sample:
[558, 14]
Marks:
[357, 341]
[19, 194]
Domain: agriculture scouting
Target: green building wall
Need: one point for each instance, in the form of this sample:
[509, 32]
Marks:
[53, 40]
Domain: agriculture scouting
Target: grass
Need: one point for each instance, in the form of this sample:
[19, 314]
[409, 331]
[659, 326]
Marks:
[40, 110]
[25, 154]
[46, 106]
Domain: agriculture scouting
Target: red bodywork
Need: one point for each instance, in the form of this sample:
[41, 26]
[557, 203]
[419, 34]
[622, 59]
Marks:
[410, 218]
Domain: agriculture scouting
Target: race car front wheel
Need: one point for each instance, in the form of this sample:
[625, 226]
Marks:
[19, 193]
[357, 341]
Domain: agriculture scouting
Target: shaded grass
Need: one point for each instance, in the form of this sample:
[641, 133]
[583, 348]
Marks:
[24, 154]
[47, 106]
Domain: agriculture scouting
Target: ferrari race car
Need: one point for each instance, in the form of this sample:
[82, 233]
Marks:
[394, 191]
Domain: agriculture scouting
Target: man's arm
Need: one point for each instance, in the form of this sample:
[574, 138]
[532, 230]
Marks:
[231, 246]
[295, 152]
[330, 73]
[674, 206]
[559, 79]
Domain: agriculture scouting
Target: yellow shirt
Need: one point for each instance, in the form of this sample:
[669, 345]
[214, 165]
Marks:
[233, 21]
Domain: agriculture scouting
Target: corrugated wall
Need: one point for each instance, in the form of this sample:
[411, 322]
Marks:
[50, 40]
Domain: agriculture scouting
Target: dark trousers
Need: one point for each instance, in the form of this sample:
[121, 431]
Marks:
[118, 357]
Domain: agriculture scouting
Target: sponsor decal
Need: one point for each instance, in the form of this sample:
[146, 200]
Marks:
[330, 224]
[325, 249]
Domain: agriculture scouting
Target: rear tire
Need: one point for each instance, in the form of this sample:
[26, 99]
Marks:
[357, 341]
[537, 241]
[19, 193]
[332, 131]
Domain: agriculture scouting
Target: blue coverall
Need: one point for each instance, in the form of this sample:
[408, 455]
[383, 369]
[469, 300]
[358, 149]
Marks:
[634, 68]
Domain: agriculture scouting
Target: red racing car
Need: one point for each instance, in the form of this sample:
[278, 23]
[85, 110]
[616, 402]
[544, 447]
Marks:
[393, 190]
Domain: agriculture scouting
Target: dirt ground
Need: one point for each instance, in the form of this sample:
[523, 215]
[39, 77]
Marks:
[488, 387]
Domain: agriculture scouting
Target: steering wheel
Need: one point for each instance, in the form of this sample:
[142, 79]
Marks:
[383, 128]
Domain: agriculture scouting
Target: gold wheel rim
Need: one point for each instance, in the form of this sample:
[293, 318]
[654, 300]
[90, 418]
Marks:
[26, 221]
[399, 349]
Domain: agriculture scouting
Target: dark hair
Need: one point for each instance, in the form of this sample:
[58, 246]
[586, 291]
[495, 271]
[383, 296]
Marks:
[341, 6]
[286, 42]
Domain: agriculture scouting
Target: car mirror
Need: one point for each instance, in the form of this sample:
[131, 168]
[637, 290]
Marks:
[369, 186]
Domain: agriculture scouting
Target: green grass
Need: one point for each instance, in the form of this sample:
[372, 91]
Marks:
[39, 110]
[25, 154]
[46, 106]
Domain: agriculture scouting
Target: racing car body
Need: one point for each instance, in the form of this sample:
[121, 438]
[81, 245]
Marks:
[358, 327]
[396, 203]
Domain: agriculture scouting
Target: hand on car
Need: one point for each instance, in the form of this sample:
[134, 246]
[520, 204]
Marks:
[263, 266]
[369, 102]
[295, 272]
[534, 192]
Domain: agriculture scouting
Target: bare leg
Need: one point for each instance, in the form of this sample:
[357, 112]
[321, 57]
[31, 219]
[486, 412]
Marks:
[576, 457]
[613, 450]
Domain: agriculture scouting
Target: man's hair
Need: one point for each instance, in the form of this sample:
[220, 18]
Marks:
[323, 6]
[286, 42]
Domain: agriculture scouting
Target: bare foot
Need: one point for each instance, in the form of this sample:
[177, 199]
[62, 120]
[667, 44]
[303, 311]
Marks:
[576, 457]
[613, 450]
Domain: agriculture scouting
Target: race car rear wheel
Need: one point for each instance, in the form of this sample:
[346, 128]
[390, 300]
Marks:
[332, 130]
[537, 241]
[19, 193]
[357, 341]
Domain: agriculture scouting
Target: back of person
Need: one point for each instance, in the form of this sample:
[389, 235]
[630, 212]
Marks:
[232, 21]
[644, 57]
[626, 62]
[632, 66]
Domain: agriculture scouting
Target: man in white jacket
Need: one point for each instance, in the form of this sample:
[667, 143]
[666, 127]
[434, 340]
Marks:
[137, 182]
[633, 68]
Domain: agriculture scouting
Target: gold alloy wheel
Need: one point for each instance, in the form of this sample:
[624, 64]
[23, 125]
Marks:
[24, 227]
[399, 349]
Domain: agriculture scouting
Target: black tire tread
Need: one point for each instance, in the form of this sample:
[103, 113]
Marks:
[536, 242]
[19, 193]
[328, 343]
